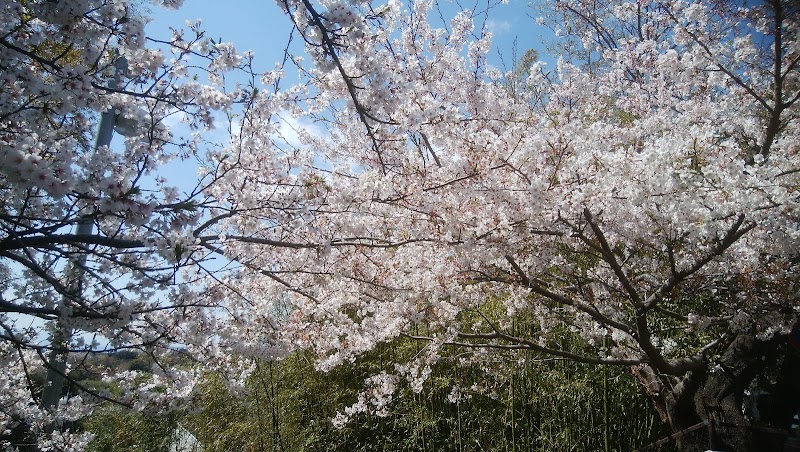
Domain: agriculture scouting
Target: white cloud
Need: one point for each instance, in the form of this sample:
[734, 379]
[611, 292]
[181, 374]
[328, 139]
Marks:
[290, 126]
[498, 27]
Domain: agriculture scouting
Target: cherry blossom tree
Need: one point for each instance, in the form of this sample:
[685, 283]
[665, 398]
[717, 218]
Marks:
[641, 196]
[643, 199]
[93, 236]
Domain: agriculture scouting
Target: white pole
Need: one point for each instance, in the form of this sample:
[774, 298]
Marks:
[57, 358]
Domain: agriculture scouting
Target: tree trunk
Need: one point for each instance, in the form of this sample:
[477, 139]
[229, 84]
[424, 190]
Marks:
[713, 395]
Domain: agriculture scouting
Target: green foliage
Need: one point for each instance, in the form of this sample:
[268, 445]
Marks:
[117, 429]
[510, 402]
[517, 80]
[522, 68]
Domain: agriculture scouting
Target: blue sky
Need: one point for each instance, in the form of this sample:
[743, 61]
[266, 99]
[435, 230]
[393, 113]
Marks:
[260, 26]
[257, 25]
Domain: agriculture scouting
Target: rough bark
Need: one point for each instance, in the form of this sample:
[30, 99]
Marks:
[716, 396]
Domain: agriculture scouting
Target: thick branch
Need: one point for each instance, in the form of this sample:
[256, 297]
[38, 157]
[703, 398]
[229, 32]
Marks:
[36, 241]
[330, 48]
[734, 233]
[539, 289]
[608, 256]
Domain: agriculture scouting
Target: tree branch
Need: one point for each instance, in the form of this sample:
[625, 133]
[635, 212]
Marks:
[517, 343]
[36, 241]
